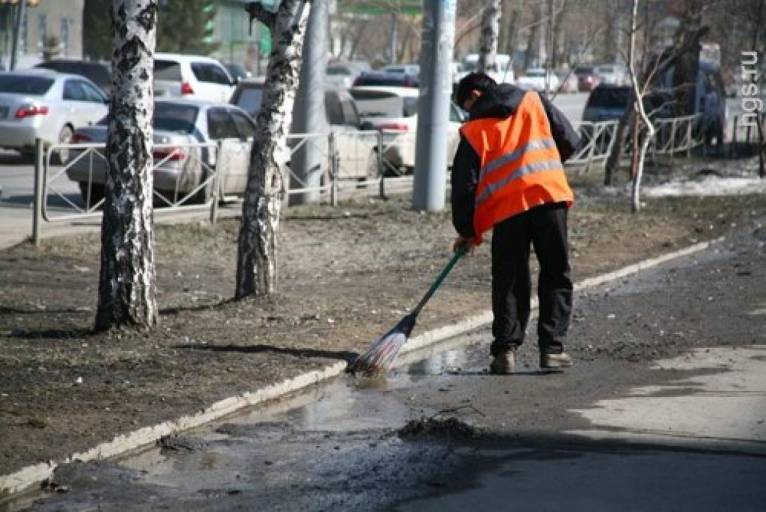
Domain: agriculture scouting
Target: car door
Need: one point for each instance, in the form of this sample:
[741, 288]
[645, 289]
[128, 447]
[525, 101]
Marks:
[355, 149]
[97, 101]
[221, 127]
[79, 111]
[239, 160]
[213, 81]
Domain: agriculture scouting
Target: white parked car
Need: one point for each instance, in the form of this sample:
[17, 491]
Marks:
[341, 75]
[193, 76]
[394, 110]
[401, 69]
[534, 79]
[39, 103]
[179, 169]
[457, 72]
[503, 72]
[358, 160]
[612, 74]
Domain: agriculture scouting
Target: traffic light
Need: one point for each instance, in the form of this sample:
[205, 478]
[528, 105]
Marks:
[209, 21]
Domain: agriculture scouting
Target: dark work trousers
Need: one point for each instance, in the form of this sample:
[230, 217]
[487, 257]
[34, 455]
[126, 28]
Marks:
[545, 227]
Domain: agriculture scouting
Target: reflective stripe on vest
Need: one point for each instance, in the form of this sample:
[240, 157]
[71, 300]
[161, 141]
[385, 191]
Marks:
[520, 164]
[546, 165]
[514, 155]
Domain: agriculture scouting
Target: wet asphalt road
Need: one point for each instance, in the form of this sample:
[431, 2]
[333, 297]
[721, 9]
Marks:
[664, 410]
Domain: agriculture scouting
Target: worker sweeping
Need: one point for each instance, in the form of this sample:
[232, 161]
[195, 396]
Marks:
[508, 176]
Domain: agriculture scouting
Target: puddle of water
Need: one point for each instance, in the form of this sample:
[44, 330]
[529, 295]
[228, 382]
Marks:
[345, 405]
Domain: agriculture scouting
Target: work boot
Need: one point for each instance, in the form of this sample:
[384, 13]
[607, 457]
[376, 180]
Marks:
[555, 361]
[503, 363]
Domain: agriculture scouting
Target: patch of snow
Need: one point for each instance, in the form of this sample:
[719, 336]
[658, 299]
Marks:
[708, 186]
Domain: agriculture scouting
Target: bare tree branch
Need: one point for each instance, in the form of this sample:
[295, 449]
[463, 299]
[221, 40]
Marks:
[257, 11]
[638, 163]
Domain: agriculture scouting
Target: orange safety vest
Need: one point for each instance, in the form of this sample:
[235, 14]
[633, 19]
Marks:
[520, 165]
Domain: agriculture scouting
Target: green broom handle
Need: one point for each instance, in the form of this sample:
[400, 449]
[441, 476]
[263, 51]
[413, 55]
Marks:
[439, 280]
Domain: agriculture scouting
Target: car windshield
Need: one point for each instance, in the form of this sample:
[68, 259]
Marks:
[236, 71]
[249, 99]
[170, 117]
[583, 70]
[25, 84]
[384, 104]
[174, 117]
[536, 72]
[606, 69]
[609, 97]
[167, 70]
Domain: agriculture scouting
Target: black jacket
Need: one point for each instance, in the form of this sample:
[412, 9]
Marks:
[500, 103]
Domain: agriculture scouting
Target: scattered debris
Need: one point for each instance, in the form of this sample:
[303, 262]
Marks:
[181, 443]
[449, 428]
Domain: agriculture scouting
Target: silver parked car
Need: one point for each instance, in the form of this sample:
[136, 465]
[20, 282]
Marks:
[39, 103]
[357, 151]
[180, 167]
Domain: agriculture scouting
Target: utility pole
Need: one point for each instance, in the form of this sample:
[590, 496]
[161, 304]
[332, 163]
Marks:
[434, 105]
[20, 13]
[309, 113]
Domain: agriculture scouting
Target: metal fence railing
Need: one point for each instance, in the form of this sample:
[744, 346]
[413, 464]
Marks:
[677, 135]
[597, 140]
[351, 163]
[70, 180]
[743, 131]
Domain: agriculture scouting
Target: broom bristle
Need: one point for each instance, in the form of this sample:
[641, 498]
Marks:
[381, 354]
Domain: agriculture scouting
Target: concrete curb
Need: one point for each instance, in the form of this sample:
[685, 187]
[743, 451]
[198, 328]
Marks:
[29, 476]
[35, 474]
[485, 318]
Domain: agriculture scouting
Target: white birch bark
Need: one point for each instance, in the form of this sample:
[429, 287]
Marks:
[257, 249]
[638, 172]
[127, 281]
[490, 30]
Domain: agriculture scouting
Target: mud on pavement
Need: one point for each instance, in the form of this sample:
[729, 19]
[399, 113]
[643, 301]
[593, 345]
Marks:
[346, 275]
[442, 434]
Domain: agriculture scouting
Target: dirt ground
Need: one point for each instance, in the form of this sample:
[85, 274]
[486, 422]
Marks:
[346, 275]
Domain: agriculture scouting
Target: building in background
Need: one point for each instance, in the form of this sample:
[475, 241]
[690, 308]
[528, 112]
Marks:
[50, 28]
[232, 38]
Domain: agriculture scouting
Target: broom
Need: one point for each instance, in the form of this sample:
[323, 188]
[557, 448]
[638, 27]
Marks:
[383, 352]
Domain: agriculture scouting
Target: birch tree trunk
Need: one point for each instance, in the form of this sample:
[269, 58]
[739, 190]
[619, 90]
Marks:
[514, 18]
[257, 249]
[127, 281]
[638, 94]
[490, 30]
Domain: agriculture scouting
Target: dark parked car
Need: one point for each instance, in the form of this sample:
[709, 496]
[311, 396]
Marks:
[97, 72]
[606, 102]
[587, 79]
[238, 71]
[387, 79]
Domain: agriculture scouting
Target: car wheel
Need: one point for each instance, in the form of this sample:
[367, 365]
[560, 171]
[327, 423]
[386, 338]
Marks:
[65, 137]
[91, 197]
[201, 197]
